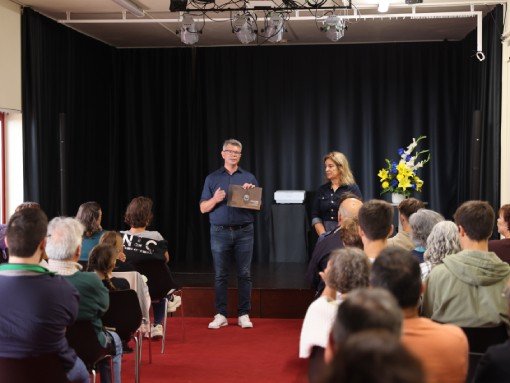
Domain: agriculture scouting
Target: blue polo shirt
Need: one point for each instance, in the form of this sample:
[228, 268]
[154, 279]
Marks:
[223, 214]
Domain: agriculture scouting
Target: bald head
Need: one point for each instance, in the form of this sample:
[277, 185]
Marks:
[349, 209]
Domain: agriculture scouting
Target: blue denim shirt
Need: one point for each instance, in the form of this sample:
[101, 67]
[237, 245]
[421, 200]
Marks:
[223, 214]
[325, 204]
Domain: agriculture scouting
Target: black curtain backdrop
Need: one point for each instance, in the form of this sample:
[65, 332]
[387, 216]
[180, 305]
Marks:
[151, 121]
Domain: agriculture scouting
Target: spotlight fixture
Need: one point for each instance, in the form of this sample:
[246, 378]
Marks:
[334, 27]
[189, 33]
[274, 27]
[131, 7]
[384, 5]
[245, 27]
[178, 5]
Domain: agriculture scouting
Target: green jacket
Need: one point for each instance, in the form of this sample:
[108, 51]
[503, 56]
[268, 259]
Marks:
[466, 290]
[94, 300]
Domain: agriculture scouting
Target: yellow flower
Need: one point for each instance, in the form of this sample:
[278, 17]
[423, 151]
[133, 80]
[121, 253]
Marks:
[404, 183]
[419, 183]
[383, 174]
[403, 169]
[385, 184]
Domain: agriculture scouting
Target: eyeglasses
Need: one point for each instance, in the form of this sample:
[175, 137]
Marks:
[232, 152]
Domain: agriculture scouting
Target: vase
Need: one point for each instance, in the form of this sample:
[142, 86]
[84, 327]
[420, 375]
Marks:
[396, 198]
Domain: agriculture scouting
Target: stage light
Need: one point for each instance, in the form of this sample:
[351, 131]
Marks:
[189, 33]
[384, 5]
[334, 27]
[274, 27]
[131, 7]
[178, 5]
[245, 28]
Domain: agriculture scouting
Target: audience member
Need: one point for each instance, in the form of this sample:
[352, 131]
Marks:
[114, 239]
[138, 216]
[37, 305]
[364, 309]
[64, 249]
[422, 223]
[502, 246]
[466, 289]
[349, 207]
[4, 251]
[494, 366]
[406, 208]
[102, 261]
[90, 215]
[375, 222]
[374, 356]
[349, 233]
[347, 269]
[443, 240]
[442, 348]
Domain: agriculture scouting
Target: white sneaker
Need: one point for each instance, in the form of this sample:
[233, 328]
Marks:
[174, 303]
[244, 321]
[219, 321]
[157, 332]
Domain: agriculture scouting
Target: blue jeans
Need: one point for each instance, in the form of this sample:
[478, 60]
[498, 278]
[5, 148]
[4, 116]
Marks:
[225, 244]
[104, 366]
[79, 373]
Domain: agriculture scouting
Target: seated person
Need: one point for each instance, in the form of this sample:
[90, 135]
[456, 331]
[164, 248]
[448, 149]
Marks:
[114, 239]
[36, 305]
[466, 288]
[502, 246]
[422, 223]
[138, 216]
[443, 240]
[102, 259]
[375, 226]
[349, 207]
[494, 366]
[64, 249]
[406, 208]
[347, 269]
[442, 348]
[89, 215]
[374, 356]
[363, 309]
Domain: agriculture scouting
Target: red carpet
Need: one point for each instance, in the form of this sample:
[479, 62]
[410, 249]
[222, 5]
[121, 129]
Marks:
[266, 353]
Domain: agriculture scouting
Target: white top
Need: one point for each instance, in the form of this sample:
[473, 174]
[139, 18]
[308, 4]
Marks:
[317, 325]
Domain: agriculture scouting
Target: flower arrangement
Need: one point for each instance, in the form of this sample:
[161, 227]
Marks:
[401, 177]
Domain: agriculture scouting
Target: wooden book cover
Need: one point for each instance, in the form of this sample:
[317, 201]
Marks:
[244, 198]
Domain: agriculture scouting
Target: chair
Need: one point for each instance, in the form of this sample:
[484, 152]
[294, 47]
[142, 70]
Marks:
[160, 283]
[125, 316]
[83, 338]
[46, 367]
[480, 339]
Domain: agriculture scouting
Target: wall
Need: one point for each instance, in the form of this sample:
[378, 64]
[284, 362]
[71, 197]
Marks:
[10, 63]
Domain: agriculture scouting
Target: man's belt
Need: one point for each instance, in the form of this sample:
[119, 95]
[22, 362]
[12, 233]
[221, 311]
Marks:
[233, 227]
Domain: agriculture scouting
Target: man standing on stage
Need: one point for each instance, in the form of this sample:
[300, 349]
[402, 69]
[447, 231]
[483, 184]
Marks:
[231, 233]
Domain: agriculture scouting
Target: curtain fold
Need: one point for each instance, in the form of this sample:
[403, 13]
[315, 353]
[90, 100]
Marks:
[151, 121]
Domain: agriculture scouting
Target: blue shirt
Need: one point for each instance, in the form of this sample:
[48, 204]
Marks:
[223, 214]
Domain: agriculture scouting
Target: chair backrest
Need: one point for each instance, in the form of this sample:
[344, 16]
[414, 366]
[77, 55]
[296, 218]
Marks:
[159, 278]
[43, 368]
[480, 338]
[83, 338]
[124, 313]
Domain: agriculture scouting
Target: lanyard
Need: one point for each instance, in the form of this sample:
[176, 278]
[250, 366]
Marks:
[24, 266]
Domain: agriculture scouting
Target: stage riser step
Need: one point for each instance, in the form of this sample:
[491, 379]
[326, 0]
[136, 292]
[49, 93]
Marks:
[266, 303]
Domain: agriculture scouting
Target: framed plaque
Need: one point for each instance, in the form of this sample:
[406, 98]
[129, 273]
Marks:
[244, 198]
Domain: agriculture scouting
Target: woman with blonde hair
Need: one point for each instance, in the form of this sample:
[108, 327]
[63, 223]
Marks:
[326, 202]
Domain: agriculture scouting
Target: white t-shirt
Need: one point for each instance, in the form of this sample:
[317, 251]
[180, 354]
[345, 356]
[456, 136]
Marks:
[317, 325]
